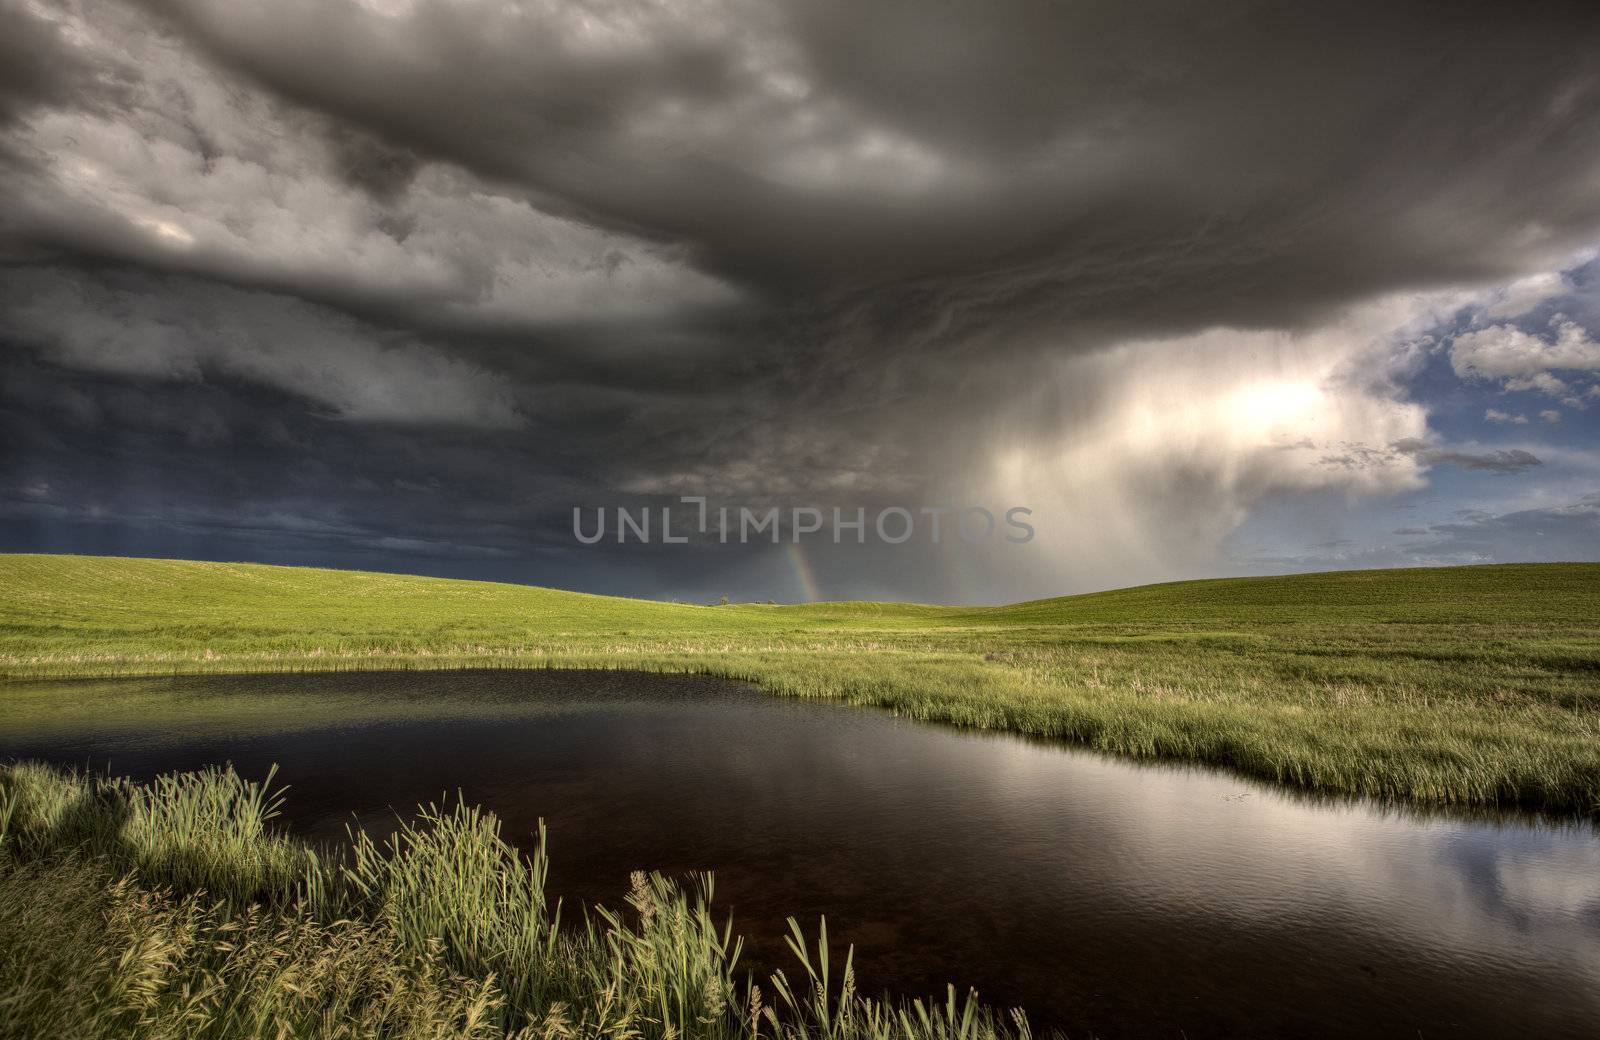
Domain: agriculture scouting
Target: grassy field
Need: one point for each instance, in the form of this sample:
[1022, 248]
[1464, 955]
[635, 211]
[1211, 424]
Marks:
[1476, 686]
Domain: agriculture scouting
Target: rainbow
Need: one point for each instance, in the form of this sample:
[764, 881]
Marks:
[803, 575]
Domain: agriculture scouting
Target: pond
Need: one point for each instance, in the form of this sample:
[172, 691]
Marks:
[1104, 896]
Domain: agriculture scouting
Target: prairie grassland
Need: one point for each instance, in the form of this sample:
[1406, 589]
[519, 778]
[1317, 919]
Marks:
[1471, 685]
[174, 911]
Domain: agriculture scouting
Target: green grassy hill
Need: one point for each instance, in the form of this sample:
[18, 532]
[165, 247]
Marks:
[78, 604]
[108, 608]
[1471, 684]
[1562, 593]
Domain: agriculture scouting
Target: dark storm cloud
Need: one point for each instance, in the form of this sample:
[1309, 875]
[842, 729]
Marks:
[223, 469]
[368, 163]
[1238, 160]
[305, 254]
[133, 324]
[38, 66]
[961, 167]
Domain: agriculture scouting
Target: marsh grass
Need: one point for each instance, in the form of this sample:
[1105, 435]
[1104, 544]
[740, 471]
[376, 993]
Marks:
[444, 930]
[1473, 686]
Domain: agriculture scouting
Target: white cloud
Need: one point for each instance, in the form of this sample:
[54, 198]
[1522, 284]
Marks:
[1503, 350]
[1495, 415]
[1522, 361]
[1550, 415]
[1524, 294]
[1543, 382]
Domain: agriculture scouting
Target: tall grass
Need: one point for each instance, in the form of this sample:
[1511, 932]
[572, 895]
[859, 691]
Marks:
[444, 930]
[196, 832]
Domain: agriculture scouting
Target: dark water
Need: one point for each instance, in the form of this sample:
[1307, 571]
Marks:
[1105, 897]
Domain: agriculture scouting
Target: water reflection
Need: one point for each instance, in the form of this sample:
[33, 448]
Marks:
[1127, 900]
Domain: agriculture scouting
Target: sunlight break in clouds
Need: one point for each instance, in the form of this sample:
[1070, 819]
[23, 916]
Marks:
[1166, 444]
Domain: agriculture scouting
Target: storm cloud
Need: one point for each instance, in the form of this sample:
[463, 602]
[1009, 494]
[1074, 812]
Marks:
[398, 283]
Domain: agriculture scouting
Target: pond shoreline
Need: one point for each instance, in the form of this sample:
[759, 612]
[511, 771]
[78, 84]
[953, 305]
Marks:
[886, 693]
[803, 809]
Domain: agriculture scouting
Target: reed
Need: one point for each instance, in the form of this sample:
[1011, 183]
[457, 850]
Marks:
[443, 930]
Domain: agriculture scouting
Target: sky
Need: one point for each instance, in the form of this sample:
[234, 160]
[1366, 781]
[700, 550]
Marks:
[1206, 289]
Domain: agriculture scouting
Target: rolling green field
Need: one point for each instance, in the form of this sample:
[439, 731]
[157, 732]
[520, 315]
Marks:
[1474, 686]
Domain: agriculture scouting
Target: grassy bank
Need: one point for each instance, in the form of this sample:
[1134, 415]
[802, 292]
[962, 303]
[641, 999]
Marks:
[174, 910]
[1477, 685]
